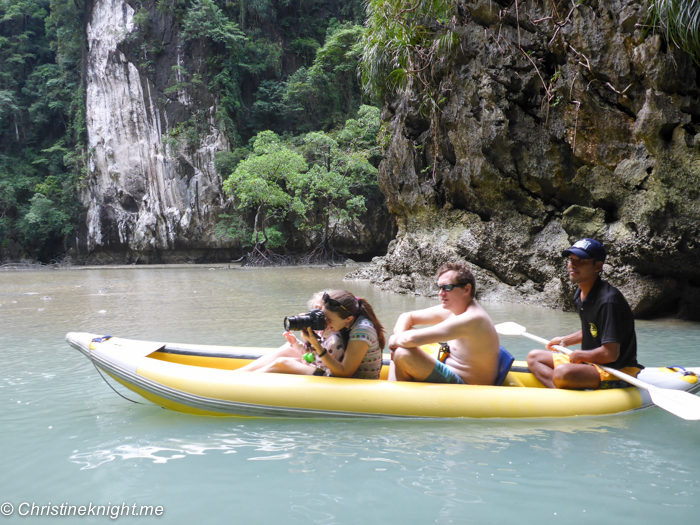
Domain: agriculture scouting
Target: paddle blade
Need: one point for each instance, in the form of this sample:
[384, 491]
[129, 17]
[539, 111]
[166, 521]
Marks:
[682, 404]
[510, 329]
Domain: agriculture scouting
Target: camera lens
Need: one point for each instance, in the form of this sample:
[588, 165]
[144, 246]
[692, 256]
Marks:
[314, 320]
[289, 323]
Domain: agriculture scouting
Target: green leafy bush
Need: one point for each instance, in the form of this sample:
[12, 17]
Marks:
[408, 47]
[259, 182]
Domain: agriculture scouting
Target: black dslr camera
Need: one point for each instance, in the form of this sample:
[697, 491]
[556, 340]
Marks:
[314, 320]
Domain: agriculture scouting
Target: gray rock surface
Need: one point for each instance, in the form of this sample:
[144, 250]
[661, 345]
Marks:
[560, 124]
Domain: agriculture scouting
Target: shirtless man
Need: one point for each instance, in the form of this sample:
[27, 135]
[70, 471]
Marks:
[459, 320]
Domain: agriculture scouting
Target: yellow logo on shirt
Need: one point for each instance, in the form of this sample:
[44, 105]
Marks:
[594, 330]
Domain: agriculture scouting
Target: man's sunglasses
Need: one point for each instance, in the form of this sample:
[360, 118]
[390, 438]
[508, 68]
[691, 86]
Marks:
[450, 287]
[332, 303]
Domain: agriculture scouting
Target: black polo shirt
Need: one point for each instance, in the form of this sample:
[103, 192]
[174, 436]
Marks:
[607, 318]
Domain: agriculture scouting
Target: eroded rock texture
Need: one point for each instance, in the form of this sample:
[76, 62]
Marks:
[145, 201]
[560, 122]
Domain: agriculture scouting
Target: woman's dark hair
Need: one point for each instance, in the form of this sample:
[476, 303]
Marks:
[349, 305]
[464, 274]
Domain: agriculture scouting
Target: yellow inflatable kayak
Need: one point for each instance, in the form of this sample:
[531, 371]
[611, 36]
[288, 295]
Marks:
[203, 380]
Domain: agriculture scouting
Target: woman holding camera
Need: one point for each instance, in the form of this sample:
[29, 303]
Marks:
[359, 327]
[295, 348]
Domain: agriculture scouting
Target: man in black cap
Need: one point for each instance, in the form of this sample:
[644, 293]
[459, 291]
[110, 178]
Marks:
[607, 329]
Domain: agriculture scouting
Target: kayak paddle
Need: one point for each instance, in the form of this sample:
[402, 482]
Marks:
[680, 403]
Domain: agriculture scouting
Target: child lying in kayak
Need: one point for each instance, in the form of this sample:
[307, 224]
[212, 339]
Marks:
[350, 346]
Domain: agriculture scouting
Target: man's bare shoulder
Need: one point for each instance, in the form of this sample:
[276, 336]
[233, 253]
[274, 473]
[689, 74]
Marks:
[431, 315]
[474, 316]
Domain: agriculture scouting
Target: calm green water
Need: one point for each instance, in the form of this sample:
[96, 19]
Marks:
[67, 438]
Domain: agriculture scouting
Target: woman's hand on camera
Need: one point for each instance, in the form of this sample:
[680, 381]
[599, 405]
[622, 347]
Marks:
[310, 336]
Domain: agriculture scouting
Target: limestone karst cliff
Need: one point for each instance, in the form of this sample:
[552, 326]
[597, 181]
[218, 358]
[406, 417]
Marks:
[155, 122]
[557, 120]
[560, 120]
[144, 200]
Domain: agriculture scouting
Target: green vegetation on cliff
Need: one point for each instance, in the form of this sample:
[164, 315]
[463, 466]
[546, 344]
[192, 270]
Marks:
[289, 67]
[42, 128]
[408, 47]
[407, 50]
[281, 65]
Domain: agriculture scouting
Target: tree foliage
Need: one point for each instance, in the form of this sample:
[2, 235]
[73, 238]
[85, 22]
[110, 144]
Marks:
[320, 96]
[341, 173]
[260, 181]
[408, 46]
[325, 94]
[205, 20]
[245, 54]
[42, 128]
[321, 179]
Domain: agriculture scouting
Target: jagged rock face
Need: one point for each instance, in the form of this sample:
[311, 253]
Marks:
[558, 125]
[143, 199]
